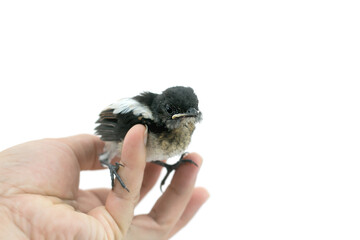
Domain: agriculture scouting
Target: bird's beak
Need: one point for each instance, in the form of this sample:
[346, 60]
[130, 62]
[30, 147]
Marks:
[192, 112]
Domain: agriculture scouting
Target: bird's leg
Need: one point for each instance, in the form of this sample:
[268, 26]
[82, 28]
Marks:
[171, 167]
[113, 173]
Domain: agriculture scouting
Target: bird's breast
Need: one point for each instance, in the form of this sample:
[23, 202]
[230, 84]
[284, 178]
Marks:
[161, 146]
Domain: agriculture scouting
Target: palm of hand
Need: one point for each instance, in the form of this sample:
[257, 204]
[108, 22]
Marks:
[45, 194]
[39, 187]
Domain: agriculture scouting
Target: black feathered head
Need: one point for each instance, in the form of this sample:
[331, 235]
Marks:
[176, 104]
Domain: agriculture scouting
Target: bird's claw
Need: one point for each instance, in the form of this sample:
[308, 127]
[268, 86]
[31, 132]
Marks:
[171, 167]
[113, 173]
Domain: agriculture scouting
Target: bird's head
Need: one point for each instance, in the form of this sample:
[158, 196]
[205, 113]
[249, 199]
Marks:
[176, 106]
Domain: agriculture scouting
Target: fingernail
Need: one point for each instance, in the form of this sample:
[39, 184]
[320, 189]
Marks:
[146, 134]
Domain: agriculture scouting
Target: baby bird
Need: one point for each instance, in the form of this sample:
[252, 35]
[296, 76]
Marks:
[170, 118]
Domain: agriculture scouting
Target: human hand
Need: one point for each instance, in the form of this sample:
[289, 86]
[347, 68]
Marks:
[40, 195]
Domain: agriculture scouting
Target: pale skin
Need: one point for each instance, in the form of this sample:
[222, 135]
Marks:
[40, 196]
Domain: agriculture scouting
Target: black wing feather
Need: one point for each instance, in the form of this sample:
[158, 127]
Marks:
[113, 127]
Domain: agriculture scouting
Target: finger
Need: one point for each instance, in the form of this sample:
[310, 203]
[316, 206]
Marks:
[198, 198]
[172, 203]
[151, 175]
[86, 149]
[120, 203]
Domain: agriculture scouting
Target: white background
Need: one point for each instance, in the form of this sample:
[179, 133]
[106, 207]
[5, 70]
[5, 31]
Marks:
[277, 83]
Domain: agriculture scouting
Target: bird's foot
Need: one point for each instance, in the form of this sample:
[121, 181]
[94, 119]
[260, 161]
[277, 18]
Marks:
[171, 167]
[113, 173]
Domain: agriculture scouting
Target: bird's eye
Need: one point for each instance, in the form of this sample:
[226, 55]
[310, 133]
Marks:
[169, 109]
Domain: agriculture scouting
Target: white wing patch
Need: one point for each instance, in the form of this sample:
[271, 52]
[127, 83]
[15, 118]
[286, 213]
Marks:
[126, 105]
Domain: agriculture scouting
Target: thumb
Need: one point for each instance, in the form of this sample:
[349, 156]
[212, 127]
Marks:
[120, 204]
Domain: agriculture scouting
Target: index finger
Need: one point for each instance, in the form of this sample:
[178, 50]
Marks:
[86, 149]
[173, 202]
